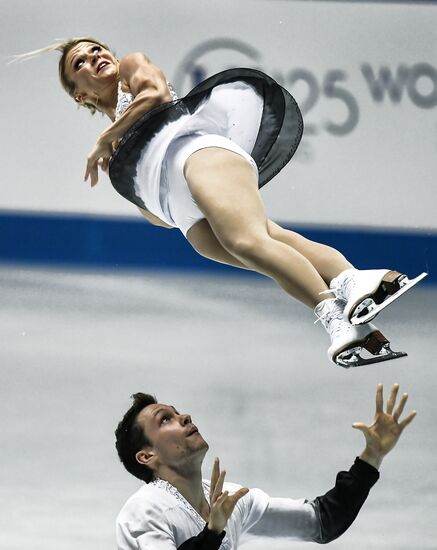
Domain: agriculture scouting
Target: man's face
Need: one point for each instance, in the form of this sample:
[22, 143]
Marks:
[175, 439]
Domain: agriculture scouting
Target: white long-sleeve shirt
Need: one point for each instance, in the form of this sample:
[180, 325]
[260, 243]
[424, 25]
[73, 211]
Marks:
[158, 517]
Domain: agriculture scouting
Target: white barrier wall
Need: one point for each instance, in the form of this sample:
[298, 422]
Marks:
[365, 76]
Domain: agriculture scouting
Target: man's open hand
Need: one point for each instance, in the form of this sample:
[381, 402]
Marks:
[383, 434]
[222, 504]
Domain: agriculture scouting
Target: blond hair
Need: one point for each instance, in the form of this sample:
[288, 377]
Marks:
[63, 46]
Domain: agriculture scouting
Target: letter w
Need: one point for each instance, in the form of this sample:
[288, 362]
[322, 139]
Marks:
[385, 81]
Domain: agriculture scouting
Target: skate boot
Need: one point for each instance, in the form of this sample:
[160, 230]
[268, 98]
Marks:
[352, 346]
[369, 291]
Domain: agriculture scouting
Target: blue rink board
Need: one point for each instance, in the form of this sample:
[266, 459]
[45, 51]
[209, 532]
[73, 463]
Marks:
[108, 242]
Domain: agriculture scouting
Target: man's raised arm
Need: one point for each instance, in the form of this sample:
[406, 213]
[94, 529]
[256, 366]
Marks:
[328, 516]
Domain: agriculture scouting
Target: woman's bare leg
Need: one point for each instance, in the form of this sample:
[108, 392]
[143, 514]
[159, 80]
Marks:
[225, 187]
[203, 240]
[328, 261]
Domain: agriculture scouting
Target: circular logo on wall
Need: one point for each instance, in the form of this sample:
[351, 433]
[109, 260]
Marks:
[210, 57]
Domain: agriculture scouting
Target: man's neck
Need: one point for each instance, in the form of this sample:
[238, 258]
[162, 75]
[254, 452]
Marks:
[189, 484]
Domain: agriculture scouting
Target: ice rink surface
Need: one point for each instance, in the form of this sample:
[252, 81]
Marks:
[245, 361]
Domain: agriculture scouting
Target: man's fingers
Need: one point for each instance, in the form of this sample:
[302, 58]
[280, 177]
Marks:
[360, 426]
[392, 398]
[219, 486]
[400, 407]
[214, 477]
[221, 480]
[221, 499]
[233, 499]
[407, 419]
[379, 399]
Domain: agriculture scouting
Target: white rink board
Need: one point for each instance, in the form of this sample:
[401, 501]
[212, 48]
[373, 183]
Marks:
[365, 75]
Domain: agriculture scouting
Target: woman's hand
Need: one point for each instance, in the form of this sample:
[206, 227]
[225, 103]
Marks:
[99, 156]
[383, 434]
[221, 504]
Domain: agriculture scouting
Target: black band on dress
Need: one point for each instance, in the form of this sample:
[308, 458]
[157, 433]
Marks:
[279, 133]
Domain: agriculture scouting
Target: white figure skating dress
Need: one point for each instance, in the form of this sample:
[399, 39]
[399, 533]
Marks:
[243, 110]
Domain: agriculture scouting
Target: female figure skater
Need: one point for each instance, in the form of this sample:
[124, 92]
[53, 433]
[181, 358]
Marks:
[197, 163]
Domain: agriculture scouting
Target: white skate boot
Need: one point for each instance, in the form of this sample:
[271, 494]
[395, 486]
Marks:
[352, 346]
[369, 291]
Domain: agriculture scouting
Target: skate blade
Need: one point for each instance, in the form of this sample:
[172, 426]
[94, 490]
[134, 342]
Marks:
[375, 348]
[373, 308]
[356, 357]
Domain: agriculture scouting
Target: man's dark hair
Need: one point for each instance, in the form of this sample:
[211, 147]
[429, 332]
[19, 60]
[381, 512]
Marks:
[130, 438]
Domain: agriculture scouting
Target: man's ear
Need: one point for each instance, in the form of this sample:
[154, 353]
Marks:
[146, 457]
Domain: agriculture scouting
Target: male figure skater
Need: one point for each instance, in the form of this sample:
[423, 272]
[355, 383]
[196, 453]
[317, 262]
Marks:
[176, 509]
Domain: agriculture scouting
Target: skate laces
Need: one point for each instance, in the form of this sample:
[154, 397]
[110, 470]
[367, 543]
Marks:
[337, 326]
[329, 311]
[342, 285]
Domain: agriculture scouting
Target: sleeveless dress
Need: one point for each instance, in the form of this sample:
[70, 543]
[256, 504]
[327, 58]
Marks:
[243, 110]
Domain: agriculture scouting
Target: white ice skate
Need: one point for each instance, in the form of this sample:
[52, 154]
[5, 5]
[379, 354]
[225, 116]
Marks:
[352, 346]
[368, 292]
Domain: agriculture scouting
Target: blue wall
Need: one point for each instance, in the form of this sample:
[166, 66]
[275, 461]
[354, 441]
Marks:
[124, 243]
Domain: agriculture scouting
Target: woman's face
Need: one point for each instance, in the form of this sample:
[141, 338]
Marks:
[93, 69]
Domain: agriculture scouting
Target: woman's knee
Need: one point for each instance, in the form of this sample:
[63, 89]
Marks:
[279, 233]
[204, 242]
[246, 247]
[201, 238]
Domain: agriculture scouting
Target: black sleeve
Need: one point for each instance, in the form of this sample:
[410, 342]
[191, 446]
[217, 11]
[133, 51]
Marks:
[205, 540]
[337, 509]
